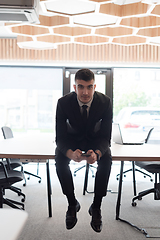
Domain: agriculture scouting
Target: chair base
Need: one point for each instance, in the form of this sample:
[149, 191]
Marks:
[19, 192]
[138, 170]
[12, 204]
[33, 176]
[90, 168]
[9, 202]
[155, 190]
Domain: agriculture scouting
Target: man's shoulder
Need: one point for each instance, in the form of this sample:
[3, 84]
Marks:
[68, 97]
[102, 97]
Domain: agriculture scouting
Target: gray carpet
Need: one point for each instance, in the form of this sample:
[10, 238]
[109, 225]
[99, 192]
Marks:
[40, 227]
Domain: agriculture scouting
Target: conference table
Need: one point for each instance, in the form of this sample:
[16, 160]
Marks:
[31, 148]
[42, 147]
[11, 226]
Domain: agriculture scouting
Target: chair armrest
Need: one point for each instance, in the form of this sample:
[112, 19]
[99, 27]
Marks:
[4, 169]
[8, 163]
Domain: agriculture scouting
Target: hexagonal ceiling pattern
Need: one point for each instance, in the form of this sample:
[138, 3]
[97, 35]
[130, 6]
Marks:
[90, 22]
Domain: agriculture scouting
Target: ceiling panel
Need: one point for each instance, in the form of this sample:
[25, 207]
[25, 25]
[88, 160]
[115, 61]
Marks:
[114, 31]
[72, 31]
[92, 39]
[120, 22]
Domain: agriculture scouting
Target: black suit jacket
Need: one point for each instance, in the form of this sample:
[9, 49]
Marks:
[70, 130]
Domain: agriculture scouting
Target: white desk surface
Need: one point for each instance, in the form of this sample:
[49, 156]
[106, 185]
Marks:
[39, 146]
[145, 152]
[43, 147]
[11, 223]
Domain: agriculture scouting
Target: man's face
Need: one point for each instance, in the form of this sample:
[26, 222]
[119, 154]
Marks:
[84, 90]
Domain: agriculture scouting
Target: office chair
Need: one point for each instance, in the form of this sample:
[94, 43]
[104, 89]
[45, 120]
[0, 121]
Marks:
[152, 167]
[7, 133]
[11, 166]
[136, 169]
[7, 179]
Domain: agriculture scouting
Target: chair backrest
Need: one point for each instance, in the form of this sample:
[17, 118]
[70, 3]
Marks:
[148, 136]
[7, 132]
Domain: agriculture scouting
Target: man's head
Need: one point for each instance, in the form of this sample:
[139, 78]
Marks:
[84, 85]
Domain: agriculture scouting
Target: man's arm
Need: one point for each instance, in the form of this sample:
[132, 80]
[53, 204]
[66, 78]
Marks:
[103, 138]
[63, 142]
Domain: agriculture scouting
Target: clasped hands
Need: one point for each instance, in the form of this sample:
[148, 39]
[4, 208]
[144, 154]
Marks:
[78, 157]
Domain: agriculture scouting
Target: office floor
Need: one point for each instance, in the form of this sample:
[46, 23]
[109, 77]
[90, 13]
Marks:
[40, 227]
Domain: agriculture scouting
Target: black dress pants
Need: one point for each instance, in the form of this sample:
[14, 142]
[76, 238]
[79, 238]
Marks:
[101, 179]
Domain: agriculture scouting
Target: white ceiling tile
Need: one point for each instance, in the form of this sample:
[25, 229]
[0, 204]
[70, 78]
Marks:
[70, 7]
[123, 2]
[155, 40]
[36, 45]
[93, 19]
[6, 33]
[151, 1]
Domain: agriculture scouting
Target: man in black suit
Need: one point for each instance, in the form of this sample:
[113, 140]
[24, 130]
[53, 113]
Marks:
[84, 128]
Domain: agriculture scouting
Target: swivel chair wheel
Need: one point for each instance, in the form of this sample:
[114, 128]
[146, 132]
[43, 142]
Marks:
[24, 184]
[28, 178]
[134, 204]
[74, 175]
[39, 181]
[124, 175]
[22, 200]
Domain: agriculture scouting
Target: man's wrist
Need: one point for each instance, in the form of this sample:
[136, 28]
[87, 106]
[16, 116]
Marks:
[99, 152]
[98, 156]
[69, 153]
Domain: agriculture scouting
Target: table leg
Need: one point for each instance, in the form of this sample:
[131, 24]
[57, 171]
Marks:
[134, 178]
[86, 179]
[119, 191]
[49, 190]
[142, 230]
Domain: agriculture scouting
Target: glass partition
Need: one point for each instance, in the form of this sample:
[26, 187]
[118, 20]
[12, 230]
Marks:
[28, 98]
[137, 102]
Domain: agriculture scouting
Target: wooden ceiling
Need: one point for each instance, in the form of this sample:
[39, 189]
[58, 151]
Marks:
[84, 24]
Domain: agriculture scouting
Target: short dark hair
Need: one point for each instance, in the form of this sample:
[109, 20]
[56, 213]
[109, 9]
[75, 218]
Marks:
[84, 74]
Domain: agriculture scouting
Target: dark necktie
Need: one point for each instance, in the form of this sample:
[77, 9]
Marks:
[84, 113]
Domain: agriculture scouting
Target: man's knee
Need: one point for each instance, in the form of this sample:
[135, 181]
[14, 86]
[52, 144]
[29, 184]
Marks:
[60, 159]
[106, 159]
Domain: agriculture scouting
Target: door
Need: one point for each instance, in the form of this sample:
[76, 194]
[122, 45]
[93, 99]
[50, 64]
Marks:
[103, 80]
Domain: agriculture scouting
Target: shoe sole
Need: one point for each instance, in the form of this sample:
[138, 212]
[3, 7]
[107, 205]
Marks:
[68, 228]
[94, 228]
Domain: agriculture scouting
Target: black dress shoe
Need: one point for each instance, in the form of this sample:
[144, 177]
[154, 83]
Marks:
[71, 215]
[96, 222]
